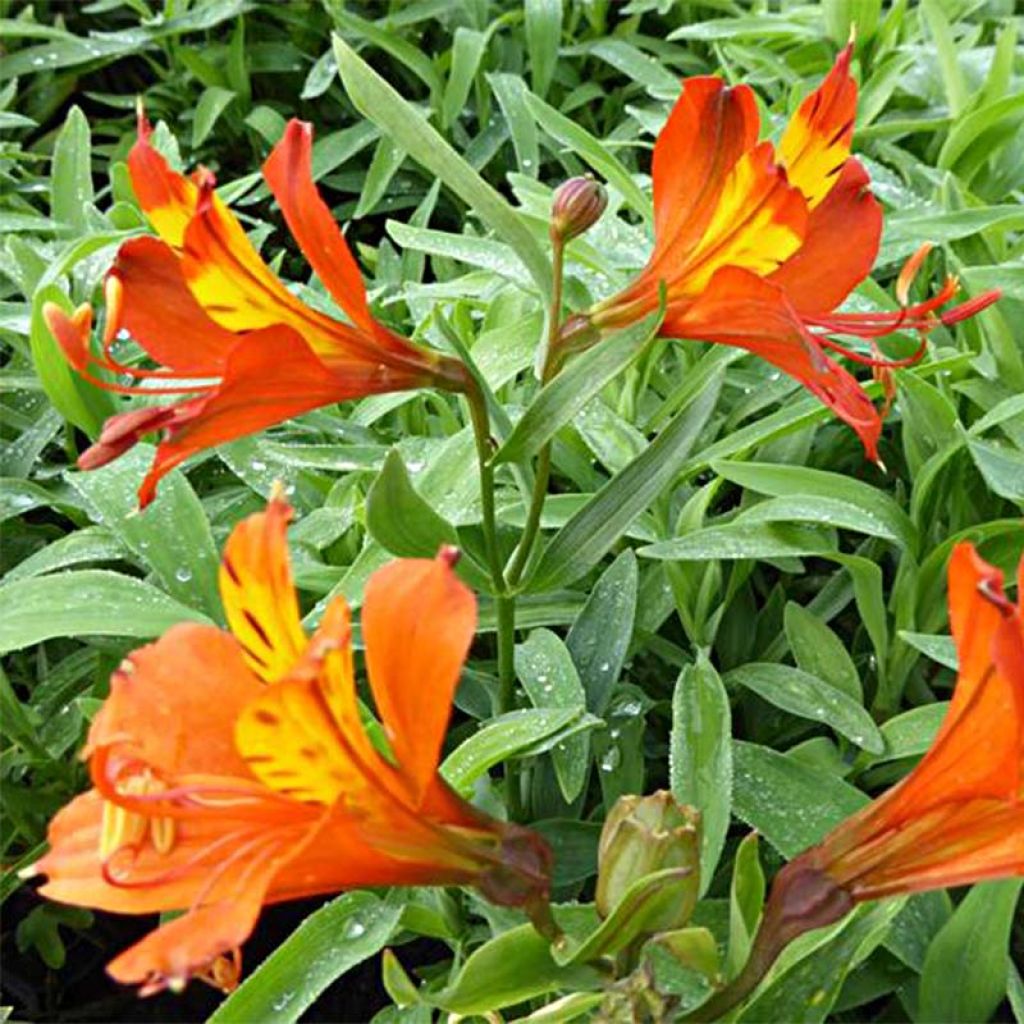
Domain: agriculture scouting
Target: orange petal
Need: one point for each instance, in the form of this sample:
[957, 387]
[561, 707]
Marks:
[816, 142]
[157, 880]
[839, 248]
[270, 376]
[160, 312]
[303, 736]
[167, 198]
[418, 622]
[710, 127]
[189, 945]
[739, 308]
[289, 173]
[757, 224]
[160, 705]
[258, 592]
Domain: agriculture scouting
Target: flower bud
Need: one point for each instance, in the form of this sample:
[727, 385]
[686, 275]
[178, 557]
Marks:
[578, 204]
[646, 834]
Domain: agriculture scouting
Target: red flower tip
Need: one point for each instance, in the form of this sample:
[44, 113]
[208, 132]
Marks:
[449, 555]
[909, 272]
[70, 332]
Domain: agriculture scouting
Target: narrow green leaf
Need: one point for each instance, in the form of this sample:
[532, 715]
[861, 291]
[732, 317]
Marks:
[71, 175]
[331, 941]
[400, 519]
[746, 900]
[583, 541]
[543, 34]
[92, 602]
[545, 668]
[809, 697]
[700, 756]
[964, 976]
[792, 805]
[213, 102]
[563, 398]
[819, 652]
[467, 49]
[379, 102]
[599, 639]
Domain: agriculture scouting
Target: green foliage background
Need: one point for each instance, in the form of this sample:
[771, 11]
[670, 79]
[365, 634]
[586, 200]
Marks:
[743, 609]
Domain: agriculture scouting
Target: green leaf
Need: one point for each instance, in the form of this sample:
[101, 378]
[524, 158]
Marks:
[879, 514]
[807, 696]
[509, 969]
[71, 176]
[467, 49]
[700, 756]
[514, 734]
[511, 93]
[583, 541]
[911, 733]
[171, 537]
[1002, 468]
[543, 34]
[792, 805]
[92, 602]
[819, 652]
[563, 398]
[599, 639]
[331, 941]
[545, 668]
[964, 976]
[400, 519]
[379, 102]
[746, 900]
[213, 102]
[742, 540]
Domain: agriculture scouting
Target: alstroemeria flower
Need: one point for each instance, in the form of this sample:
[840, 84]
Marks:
[202, 303]
[756, 245]
[958, 817]
[232, 769]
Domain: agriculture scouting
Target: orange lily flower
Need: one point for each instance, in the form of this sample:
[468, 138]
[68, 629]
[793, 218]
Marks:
[756, 245]
[202, 302]
[958, 817]
[232, 769]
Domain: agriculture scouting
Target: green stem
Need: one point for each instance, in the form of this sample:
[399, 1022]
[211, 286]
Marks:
[506, 607]
[481, 432]
[548, 369]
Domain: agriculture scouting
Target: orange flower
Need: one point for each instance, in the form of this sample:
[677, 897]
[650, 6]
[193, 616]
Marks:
[958, 817]
[232, 769]
[757, 245]
[201, 301]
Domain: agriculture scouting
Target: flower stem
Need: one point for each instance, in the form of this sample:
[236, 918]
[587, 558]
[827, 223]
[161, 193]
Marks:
[548, 369]
[481, 432]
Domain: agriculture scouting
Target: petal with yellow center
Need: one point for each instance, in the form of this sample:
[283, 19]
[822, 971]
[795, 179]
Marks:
[817, 140]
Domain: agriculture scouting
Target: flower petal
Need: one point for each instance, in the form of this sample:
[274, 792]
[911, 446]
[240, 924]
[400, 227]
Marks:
[258, 592]
[739, 308]
[839, 248]
[758, 223]
[160, 312]
[418, 621]
[710, 127]
[173, 703]
[816, 142]
[270, 376]
[289, 173]
[167, 198]
[303, 735]
[189, 944]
